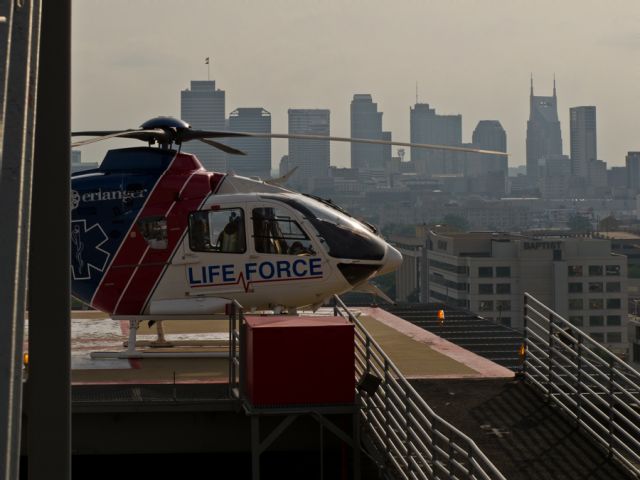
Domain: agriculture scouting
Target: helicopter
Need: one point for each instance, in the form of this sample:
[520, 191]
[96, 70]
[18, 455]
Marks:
[154, 233]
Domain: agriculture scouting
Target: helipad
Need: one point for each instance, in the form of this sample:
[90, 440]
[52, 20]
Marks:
[418, 353]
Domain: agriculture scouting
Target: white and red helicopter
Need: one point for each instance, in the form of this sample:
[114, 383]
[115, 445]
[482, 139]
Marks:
[154, 233]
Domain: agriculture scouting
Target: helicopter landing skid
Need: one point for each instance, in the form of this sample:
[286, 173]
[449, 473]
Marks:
[159, 348]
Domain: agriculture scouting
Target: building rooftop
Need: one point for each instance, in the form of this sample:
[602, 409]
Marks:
[619, 235]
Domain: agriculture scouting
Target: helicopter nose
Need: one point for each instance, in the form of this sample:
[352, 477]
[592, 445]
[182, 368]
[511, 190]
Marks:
[391, 262]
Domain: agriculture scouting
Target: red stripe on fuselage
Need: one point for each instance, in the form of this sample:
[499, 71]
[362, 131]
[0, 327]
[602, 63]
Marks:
[130, 256]
[154, 261]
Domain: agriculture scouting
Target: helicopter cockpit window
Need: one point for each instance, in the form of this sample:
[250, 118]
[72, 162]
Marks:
[219, 231]
[154, 231]
[343, 236]
[274, 231]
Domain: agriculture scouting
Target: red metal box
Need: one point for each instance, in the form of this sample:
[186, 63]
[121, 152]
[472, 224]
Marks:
[299, 360]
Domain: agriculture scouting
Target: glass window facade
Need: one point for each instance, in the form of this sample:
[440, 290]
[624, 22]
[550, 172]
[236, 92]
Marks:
[574, 270]
[575, 287]
[614, 303]
[485, 272]
[614, 337]
[575, 304]
[595, 270]
[613, 270]
[596, 321]
[503, 271]
[613, 287]
[576, 320]
[596, 304]
[596, 287]
[485, 305]
[614, 320]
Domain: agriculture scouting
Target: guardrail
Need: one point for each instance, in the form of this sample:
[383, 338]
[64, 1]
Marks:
[236, 366]
[414, 442]
[587, 381]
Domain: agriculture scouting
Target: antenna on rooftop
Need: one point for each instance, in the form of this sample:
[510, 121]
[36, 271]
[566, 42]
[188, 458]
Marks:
[416, 93]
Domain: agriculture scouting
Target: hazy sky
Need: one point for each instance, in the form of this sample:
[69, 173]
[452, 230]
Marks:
[132, 58]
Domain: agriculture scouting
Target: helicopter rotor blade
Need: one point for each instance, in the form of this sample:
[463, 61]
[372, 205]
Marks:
[223, 147]
[298, 136]
[139, 134]
[378, 142]
[187, 134]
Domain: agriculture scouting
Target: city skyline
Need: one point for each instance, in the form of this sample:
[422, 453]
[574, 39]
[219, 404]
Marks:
[461, 67]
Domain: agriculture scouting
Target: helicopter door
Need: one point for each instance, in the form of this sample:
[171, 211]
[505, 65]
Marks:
[284, 251]
[217, 244]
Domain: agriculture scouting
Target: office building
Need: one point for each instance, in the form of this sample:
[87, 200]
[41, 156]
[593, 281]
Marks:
[366, 122]
[203, 107]
[543, 130]
[584, 148]
[429, 127]
[77, 165]
[257, 161]
[617, 177]
[488, 173]
[632, 162]
[312, 157]
[554, 176]
[489, 135]
[598, 176]
[488, 274]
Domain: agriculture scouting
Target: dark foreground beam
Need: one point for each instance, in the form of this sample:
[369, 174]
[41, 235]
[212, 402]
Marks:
[49, 412]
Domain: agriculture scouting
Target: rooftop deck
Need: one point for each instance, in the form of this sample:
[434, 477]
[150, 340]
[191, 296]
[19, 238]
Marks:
[418, 354]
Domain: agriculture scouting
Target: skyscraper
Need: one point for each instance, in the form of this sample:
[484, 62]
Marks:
[543, 130]
[489, 135]
[583, 139]
[312, 157]
[203, 107]
[492, 170]
[632, 162]
[366, 122]
[429, 127]
[257, 162]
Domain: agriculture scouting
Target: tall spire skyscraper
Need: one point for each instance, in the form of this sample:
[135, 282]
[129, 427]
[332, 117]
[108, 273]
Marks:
[543, 130]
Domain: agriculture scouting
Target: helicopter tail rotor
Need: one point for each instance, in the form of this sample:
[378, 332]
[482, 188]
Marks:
[280, 181]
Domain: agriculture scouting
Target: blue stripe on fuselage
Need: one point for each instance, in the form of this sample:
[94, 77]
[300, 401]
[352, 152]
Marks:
[105, 203]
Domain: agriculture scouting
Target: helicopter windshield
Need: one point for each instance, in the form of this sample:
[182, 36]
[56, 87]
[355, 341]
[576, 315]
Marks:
[344, 236]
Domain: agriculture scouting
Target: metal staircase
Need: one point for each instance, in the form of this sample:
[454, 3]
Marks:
[596, 389]
[409, 438]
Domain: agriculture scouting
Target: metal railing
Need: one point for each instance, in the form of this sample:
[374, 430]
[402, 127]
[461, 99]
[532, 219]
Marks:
[587, 381]
[236, 366]
[414, 442]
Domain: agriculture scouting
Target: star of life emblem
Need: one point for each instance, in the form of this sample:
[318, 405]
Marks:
[86, 254]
